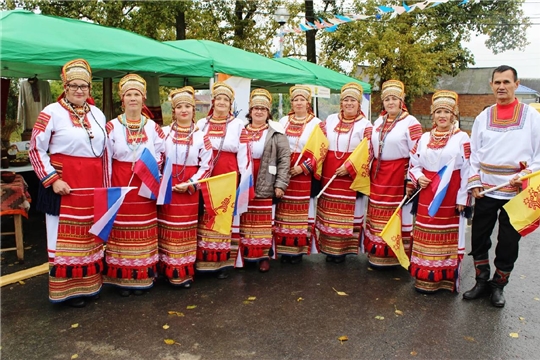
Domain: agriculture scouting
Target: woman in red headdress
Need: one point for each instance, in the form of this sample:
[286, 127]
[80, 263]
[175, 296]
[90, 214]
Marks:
[68, 153]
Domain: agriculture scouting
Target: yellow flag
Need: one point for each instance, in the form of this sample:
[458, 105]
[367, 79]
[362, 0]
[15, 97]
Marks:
[316, 149]
[391, 234]
[524, 208]
[219, 194]
[359, 162]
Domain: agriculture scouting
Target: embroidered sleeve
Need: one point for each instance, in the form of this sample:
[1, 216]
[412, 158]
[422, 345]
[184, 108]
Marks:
[39, 145]
[322, 125]
[306, 167]
[475, 143]
[109, 127]
[467, 150]
[368, 131]
[415, 132]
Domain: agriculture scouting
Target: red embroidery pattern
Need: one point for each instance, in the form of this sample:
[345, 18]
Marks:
[396, 246]
[224, 205]
[467, 150]
[368, 131]
[42, 122]
[109, 127]
[415, 132]
[207, 143]
[414, 149]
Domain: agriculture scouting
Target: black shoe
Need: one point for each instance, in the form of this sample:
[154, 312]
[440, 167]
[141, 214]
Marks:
[497, 297]
[285, 259]
[339, 259]
[138, 292]
[296, 259]
[124, 293]
[186, 285]
[223, 274]
[94, 297]
[329, 258]
[480, 289]
[77, 302]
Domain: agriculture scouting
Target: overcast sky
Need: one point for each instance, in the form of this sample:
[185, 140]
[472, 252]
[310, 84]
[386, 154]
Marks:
[527, 62]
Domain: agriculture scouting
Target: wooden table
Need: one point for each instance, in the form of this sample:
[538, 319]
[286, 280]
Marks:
[16, 202]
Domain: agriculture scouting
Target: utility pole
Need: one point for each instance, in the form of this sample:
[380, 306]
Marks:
[311, 47]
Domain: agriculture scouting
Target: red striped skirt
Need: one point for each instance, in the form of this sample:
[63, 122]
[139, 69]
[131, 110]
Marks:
[217, 251]
[339, 213]
[177, 228]
[387, 190]
[292, 230]
[132, 250]
[435, 260]
[76, 268]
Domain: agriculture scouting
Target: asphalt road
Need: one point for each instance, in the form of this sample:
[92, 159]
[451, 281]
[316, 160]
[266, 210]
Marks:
[295, 312]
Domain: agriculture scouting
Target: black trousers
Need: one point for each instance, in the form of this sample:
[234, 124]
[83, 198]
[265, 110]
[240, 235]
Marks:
[483, 222]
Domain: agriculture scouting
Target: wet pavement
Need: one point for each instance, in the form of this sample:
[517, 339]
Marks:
[295, 312]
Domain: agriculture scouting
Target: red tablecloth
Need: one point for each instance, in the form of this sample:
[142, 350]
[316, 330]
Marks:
[15, 197]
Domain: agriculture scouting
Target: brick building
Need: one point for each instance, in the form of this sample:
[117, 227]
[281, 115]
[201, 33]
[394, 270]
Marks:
[472, 86]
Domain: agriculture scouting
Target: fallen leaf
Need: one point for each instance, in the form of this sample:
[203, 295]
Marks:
[522, 276]
[27, 248]
[177, 313]
[11, 264]
[521, 318]
[247, 302]
[21, 282]
[300, 299]
[397, 279]
[469, 338]
[379, 317]
[414, 353]
[169, 341]
[514, 335]
[342, 339]
[191, 307]
[370, 269]
[165, 326]
[75, 356]
[252, 298]
[536, 298]
[398, 312]
[73, 326]
[340, 293]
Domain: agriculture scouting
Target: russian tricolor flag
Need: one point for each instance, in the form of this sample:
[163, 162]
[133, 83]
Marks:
[107, 201]
[245, 191]
[440, 183]
[165, 187]
[146, 168]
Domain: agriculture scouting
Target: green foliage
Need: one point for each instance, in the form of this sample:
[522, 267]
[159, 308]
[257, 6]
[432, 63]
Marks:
[418, 47]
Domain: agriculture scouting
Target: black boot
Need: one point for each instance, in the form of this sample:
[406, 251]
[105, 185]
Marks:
[481, 288]
[499, 281]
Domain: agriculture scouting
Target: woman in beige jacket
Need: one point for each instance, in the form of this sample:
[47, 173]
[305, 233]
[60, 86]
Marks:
[269, 161]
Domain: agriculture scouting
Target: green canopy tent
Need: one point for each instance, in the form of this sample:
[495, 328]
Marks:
[33, 44]
[325, 77]
[229, 60]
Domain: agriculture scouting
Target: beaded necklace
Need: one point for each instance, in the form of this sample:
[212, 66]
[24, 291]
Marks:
[382, 137]
[292, 131]
[133, 135]
[437, 141]
[228, 119]
[84, 122]
[338, 128]
[179, 130]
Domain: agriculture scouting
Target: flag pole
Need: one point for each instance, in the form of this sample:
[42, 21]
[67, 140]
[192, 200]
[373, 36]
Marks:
[524, 177]
[299, 157]
[126, 187]
[413, 196]
[327, 185]
[210, 178]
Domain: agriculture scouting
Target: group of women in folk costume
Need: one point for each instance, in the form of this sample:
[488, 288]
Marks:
[73, 150]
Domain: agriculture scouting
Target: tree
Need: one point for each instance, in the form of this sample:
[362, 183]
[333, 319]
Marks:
[419, 46]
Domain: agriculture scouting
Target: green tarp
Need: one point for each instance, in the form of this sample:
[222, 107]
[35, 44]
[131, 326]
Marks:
[237, 62]
[32, 44]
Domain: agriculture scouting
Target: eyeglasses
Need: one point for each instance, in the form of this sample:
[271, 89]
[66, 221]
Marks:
[260, 109]
[75, 87]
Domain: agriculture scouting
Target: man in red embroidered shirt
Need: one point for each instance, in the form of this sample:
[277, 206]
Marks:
[505, 145]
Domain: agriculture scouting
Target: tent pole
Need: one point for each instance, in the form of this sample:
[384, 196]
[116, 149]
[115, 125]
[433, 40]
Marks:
[107, 98]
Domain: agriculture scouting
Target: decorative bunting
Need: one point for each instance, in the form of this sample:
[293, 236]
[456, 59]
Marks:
[330, 24]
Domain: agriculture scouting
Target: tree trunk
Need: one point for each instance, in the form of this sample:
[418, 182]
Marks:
[310, 34]
[180, 25]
